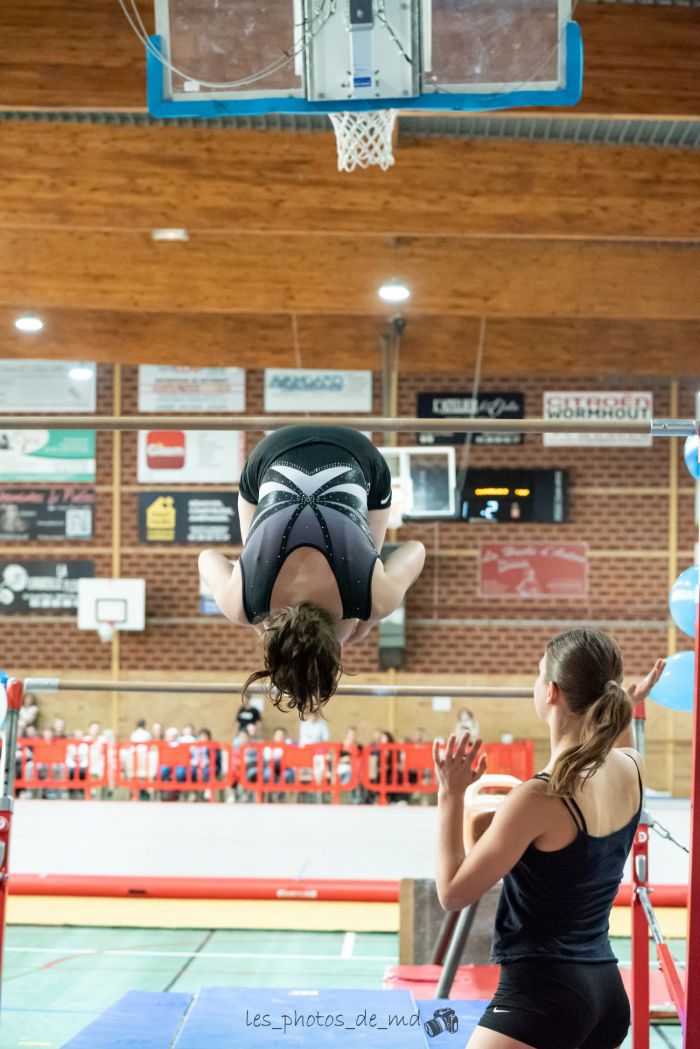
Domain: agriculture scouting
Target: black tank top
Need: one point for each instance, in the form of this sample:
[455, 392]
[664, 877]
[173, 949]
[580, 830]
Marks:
[320, 504]
[557, 904]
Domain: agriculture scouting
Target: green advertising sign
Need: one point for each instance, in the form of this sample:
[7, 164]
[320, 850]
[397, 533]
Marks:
[47, 455]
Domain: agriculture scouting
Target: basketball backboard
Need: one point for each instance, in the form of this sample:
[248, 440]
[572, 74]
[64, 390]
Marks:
[423, 482]
[107, 605]
[215, 57]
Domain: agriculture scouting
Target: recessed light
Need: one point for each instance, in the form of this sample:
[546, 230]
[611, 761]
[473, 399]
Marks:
[170, 234]
[394, 291]
[81, 373]
[28, 323]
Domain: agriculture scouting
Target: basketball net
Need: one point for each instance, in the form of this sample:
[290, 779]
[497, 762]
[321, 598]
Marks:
[106, 629]
[364, 139]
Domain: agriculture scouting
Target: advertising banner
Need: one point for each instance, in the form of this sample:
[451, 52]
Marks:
[189, 517]
[47, 386]
[324, 391]
[57, 456]
[167, 389]
[190, 456]
[539, 570]
[29, 514]
[492, 405]
[607, 406]
[30, 586]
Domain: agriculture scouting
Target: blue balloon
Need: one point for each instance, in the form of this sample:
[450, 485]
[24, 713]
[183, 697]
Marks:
[675, 688]
[691, 453]
[683, 601]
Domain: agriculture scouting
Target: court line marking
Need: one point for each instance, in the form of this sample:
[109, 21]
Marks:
[123, 952]
[348, 945]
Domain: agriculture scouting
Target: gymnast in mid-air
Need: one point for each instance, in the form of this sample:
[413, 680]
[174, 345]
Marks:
[313, 506]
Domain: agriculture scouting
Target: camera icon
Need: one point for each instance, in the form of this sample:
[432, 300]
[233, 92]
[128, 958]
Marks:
[444, 1019]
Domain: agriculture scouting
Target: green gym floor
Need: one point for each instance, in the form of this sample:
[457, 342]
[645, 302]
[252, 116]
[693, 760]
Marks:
[56, 980]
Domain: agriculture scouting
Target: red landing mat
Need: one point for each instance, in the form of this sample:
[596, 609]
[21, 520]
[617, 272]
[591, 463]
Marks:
[480, 981]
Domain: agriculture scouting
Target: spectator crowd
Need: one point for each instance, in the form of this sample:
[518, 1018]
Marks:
[181, 761]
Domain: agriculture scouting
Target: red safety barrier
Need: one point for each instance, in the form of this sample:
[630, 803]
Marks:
[394, 770]
[78, 766]
[266, 769]
[379, 773]
[171, 768]
[204, 888]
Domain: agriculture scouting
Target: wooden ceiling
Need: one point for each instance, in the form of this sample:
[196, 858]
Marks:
[579, 257]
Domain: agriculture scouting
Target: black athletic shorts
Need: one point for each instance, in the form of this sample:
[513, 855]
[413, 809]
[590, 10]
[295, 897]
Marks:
[551, 1004]
[307, 442]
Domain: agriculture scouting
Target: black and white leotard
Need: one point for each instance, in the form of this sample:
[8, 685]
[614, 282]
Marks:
[313, 487]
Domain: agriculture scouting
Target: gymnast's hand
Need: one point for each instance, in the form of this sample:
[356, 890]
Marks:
[642, 689]
[455, 771]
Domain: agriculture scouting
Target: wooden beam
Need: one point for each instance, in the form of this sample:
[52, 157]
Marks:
[340, 273]
[514, 346]
[140, 178]
[60, 54]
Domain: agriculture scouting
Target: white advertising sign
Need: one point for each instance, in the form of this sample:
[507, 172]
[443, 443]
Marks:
[606, 405]
[190, 456]
[166, 389]
[47, 386]
[290, 390]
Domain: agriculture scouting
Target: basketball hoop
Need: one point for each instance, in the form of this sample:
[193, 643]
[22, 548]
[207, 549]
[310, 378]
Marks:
[364, 139]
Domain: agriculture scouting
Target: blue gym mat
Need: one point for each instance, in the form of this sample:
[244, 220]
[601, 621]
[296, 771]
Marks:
[276, 1018]
[138, 1020]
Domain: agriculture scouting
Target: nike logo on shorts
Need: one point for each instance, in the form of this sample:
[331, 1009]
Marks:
[501, 1010]
[387, 499]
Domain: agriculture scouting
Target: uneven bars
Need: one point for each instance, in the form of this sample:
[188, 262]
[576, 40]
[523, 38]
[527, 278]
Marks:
[50, 684]
[404, 424]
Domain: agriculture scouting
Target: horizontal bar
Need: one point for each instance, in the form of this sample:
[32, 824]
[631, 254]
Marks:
[404, 424]
[38, 684]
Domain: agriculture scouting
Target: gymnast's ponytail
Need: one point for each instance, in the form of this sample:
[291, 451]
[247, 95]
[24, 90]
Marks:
[586, 665]
[302, 658]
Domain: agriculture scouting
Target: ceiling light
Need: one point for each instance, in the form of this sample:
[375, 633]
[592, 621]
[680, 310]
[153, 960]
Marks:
[394, 291]
[81, 373]
[29, 323]
[170, 234]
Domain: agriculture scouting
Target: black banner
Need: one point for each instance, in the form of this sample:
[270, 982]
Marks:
[189, 517]
[29, 514]
[488, 406]
[41, 586]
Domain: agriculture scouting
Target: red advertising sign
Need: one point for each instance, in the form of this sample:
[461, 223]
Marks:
[540, 570]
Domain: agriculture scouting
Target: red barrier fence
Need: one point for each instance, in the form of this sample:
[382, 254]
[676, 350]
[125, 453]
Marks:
[77, 766]
[379, 773]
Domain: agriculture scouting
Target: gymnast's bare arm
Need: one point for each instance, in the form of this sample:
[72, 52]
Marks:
[390, 582]
[224, 580]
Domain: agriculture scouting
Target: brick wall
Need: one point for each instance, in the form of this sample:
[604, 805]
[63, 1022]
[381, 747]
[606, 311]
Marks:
[619, 504]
